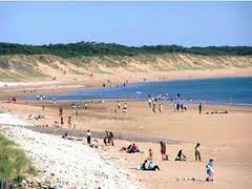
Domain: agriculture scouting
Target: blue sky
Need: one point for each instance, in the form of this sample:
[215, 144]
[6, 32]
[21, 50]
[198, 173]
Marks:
[129, 23]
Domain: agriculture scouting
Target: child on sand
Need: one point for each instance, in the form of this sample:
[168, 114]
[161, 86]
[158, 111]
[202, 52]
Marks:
[150, 156]
[180, 156]
[210, 170]
[197, 152]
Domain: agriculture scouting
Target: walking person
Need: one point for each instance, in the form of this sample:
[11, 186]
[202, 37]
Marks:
[163, 150]
[200, 108]
[197, 152]
[60, 111]
[69, 121]
[160, 107]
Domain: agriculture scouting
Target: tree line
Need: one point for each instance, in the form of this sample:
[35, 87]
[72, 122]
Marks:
[80, 49]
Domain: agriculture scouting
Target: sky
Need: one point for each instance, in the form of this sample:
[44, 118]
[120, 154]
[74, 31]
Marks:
[128, 23]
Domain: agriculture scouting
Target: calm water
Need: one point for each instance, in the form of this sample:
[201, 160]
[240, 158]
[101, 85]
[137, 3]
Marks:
[221, 91]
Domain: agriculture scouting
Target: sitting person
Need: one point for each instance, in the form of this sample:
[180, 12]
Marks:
[149, 165]
[180, 156]
[132, 148]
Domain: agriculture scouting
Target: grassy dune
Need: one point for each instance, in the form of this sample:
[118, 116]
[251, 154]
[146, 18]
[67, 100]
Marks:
[14, 165]
[37, 67]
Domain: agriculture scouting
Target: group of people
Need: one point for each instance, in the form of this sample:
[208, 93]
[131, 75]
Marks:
[132, 148]
[121, 108]
[108, 138]
[154, 105]
[149, 164]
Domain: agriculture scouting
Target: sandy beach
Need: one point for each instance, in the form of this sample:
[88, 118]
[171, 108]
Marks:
[224, 137]
[125, 95]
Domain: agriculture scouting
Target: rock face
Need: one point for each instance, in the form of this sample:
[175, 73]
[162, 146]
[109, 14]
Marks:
[68, 164]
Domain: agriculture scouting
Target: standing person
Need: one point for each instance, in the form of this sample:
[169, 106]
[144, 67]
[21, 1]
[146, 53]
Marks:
[150, 102]
[106, 138]
[200, 108]
[111, 138]
[85, 106]
[154, 106]
[163, 150]
[43, 107]
[210, 170]
[160, 107]
[62, 121]
[197, 152]
[88, 137]
[69, 121]
[60, 111]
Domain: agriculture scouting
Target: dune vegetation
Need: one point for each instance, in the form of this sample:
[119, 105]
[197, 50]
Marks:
[14, 165]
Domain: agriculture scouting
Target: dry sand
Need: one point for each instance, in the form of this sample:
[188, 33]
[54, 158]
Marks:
[224, 137]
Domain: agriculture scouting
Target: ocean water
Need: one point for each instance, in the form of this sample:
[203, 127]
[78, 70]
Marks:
[236, 91]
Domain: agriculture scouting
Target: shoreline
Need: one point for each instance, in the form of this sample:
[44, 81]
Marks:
[62, 85]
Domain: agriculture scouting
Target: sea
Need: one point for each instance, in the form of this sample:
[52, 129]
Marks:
[226, 91]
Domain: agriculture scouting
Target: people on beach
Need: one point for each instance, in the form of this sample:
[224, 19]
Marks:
[108, 138]
[210, 170]
[180, 156]
[200, 108]
[88, 137]
[65, 135]
[163, 150]
[197, 152]
[132, 148]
